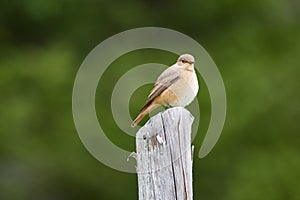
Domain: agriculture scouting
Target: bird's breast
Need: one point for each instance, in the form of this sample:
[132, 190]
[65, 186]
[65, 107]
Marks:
[186, 88]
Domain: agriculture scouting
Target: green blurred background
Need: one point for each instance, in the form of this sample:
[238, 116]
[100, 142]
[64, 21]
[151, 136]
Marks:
[255, 44]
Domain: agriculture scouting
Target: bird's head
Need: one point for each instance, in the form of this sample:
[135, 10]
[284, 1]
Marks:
[186, 60]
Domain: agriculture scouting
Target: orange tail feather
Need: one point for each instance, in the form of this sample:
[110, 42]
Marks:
[143, 113]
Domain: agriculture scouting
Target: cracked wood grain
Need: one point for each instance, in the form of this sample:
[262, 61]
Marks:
[164, 156]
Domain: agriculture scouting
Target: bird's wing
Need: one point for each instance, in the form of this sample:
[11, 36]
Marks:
[165, 80]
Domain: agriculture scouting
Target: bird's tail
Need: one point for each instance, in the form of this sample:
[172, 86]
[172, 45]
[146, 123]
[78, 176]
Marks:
[143, 113]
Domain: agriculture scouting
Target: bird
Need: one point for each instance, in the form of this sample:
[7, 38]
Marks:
[177, 86]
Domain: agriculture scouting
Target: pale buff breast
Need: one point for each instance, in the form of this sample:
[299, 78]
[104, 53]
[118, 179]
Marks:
[183, 91]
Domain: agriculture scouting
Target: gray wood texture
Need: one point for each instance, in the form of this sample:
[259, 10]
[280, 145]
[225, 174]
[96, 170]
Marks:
[164, 156]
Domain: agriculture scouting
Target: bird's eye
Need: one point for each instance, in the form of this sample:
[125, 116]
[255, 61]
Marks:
[183, 61]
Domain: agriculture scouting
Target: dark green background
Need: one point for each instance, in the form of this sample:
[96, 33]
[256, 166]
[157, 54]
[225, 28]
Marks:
[255, 44]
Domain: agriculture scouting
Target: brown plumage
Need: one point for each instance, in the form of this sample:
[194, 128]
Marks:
[176, 86]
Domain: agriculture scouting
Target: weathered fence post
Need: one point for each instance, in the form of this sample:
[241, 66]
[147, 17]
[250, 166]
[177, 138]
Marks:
[164, 156]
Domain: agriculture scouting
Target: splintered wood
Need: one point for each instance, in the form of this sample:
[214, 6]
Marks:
[164, 157]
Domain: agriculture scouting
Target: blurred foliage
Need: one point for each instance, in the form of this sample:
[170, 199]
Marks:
[255, 44]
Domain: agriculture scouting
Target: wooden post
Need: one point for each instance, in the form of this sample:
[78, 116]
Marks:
[164, 156]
